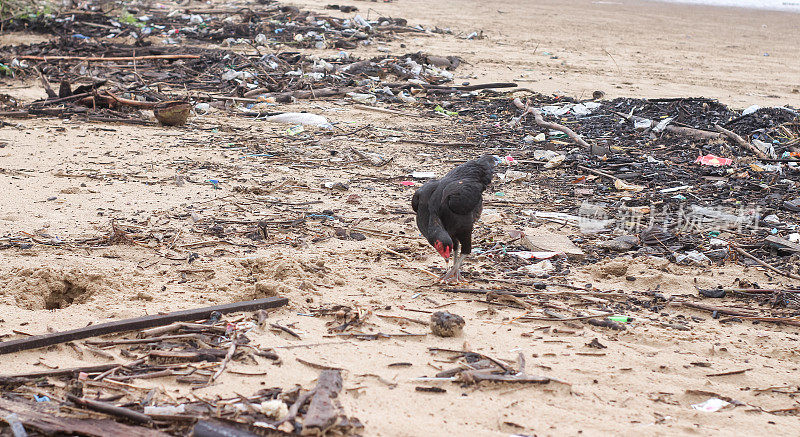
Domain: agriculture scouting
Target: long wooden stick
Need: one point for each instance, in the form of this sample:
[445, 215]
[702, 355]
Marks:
[537, 116]
[774, 269]
[740, 141]
[63, 372]
[137, 323]
[104, 407]
[678, 130]
[110, 58]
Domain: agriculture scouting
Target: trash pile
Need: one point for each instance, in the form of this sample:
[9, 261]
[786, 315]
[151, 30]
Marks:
[149, 73]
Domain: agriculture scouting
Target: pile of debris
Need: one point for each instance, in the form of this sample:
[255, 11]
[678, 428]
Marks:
[191, 350]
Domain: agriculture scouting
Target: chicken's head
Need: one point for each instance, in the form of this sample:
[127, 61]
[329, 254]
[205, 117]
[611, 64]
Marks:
[444, 249]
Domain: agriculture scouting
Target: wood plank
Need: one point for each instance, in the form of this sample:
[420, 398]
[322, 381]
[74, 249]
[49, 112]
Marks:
[137, 323]
[44, 421]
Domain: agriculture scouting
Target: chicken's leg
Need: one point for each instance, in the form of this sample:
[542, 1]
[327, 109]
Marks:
[454, 273]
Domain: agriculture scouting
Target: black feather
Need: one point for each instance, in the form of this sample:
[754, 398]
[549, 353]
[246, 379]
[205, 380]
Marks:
[448, 208]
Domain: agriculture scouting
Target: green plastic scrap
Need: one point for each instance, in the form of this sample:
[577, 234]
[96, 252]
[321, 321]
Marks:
[621, 319]
[441, 110]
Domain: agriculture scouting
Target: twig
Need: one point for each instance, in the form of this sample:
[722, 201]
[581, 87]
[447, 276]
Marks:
[600, 173]
[565, 319]
[732, 372]
[326, 343]
[46, 84]
[104, 343]
[317, 366]
[228, 356]
[720, 310]
[286, 330]
[401, 255]
[408, 319]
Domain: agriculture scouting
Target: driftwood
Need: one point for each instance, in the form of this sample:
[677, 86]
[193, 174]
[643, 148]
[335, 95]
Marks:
[740, 141]
[47, 423]
[537, 116]
[323, 410]
[768, 266]
[110, 58]
[678, 130]
[65, 372]
[137, 323]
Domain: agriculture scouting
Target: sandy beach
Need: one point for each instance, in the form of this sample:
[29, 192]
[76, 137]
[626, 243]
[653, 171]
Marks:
[66, 180]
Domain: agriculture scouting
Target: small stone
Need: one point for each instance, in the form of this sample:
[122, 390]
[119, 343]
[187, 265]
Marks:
[595, 343]
[446, 324]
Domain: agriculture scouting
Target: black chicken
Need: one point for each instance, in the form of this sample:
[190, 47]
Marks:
[447, 209]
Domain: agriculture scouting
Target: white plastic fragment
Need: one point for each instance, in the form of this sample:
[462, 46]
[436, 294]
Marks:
[275, 409]
[515, 176]
[711, 406]
[423, 175]
[539, 269]
[304, 118]
[663, 124]
[363, 98]
[165, 410]
[555, 161]
[693, 257]
[202, 108]
[767, 148]
[544, 155]
[751, 109]
[641, 124]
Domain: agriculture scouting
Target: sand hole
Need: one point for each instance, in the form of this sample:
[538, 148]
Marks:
[62, 297]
